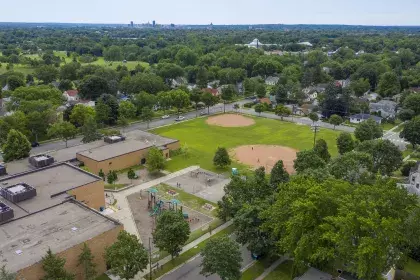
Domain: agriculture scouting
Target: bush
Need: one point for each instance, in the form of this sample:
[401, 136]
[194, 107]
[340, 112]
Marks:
[249, 105]
[405, 169]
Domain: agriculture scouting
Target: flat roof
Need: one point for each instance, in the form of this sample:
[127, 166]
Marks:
[51, 184]
[115, 150]
[26, 240]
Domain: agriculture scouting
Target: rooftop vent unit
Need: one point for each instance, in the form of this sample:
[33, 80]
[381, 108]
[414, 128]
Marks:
[114, 139]
[41, 160]
[6, 213]
[18, 192]
[3, 170]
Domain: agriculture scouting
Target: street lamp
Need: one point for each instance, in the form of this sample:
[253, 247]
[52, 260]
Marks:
[315, 127]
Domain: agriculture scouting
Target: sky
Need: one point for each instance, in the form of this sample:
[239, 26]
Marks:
[352, 12]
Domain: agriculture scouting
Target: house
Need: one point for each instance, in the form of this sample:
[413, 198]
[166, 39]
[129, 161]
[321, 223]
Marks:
[358, 118]
[213, 91]
[342, 83]
[87, 103]
[213, 84]
[271, 81]
[385, 108]
[265, 100]
[178, 82]
[191, 86]
[413, 185]
[307, 44]
[370, 96]
[414, 89]
[360, 52]
[326, 69]
[71, 95]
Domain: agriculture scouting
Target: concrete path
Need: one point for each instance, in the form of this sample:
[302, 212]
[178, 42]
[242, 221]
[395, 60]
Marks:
[140, 275]
[271, 268]
[124, 215]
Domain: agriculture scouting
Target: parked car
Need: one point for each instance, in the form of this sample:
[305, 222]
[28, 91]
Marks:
[202, 113]
[34, 144]
[179, 118]
[165, 117]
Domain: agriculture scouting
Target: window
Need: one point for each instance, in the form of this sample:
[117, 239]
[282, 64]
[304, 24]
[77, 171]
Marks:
[417, 185]
[413, 178]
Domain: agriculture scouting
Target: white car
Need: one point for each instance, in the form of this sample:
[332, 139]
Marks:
[179, 118]
[165, 117]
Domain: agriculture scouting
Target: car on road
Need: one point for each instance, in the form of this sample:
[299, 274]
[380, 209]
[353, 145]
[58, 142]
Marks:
[202, 113]
[34, 144]
[164, 117]
[179, 118]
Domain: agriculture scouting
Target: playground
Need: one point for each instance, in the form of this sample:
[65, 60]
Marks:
[265, 156]
[146, 206]
[201, 183]
[230, 120]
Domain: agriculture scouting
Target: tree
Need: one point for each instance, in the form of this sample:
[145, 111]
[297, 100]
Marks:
[147, 115]
[406, 168]
[113, 53]
[185, 56]
[259, 108]
[314, 117]
[63, 130]
[127, 256]
[180, 99]
[353, 166]
[260, 90]
[46, 73]
[80, 114]
[35, 93]
[411, 131]
[171, 233]
[368, 130]
[155, 160]
[387, 158]
[227, 95]
[308, 160]
[14, 82]
[69, 71]
[112, 177]
[147, 82]
[112, 103]
[37, 123]
[278, 174]
[5, 275]
[221, 158]
[131, 174]
[165, 100]
[360, 86]
[144, 99]
[406, 114]
[221, 256]
[321, 149]
[126, 110]
[102, 112]
[236, 107]
[92, 87]
[86, 261]
[195, 97]
[389, 84]
[413, 102]
[90, 131]
[16, 147]
[345, 143]
[54, 267]
[335, 120]
[209, 100]
[65, 85]
[282, 111]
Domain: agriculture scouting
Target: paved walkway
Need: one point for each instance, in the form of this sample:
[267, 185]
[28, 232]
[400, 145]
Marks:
[271, 268]
[140, 275]
[124, 215]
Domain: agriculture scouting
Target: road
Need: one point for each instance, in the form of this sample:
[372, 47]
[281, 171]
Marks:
[191, 270]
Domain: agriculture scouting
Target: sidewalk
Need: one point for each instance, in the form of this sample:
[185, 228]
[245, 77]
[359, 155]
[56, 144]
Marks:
[140, 275]
[124, 215]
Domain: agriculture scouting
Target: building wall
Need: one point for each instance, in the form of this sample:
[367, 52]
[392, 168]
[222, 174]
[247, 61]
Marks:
[174, 146]
[91, 194]
[97, 245]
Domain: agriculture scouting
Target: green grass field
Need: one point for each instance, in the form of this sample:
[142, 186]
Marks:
[282, 272]
[412, 267]
[203, 140]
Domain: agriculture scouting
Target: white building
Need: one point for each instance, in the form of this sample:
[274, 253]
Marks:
[413, 185]
[271, 81]
[358, 118]
[71, 95]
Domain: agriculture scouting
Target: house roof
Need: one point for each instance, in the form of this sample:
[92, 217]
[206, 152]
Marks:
[265, 100]
[213, 91]
[72, 92]
[365, 117]
[385, 105]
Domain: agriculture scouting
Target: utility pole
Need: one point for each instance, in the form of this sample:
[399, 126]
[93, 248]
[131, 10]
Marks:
[316, 128]
[150, 258]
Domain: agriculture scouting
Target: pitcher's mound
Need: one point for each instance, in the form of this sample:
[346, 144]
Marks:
[230, 120]
[265, 156]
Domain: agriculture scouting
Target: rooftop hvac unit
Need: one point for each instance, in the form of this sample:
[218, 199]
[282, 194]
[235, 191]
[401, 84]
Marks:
[41, 160]
[18, 192]
[114, 139]
[6, 213]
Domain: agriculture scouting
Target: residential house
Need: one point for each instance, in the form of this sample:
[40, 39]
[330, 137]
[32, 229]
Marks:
[414, 89]
[311, 96]
[386, 108]
[277, 52]
[271, 81]
[342, 83]
[71, 95]
[265, 100]
[358, 118]
[87, 103]
[178, 82]
[413, 185]
[191, 86]
[326, 69]
[397, 98]
[370, 96]
[360, 52]
[213, 84]
[213, 91]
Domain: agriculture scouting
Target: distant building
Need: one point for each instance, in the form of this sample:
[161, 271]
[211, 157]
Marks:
[370, 96]
[131, 24]
[413, 185]
[71, 95]
[307, 44]
[271, 81]
[213, 91]
[342, 83]
[358, 118]
[386, 108]
[154, 23]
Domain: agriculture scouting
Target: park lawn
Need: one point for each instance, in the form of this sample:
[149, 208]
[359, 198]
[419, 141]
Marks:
[187, 199]
[114, 64]
[25, 69]
[412, 267]
[256, 269]
[282, 272]
[202, 139]
[115, 186]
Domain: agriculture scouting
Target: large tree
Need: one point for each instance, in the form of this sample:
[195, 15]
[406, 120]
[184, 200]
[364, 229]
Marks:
[222, 256]
[92, 87]
[63, 130]
[46, 73]
[86, 261]
[368, 130]
[171, 232]
[227, 95]
[308, 160]
[155, 160]
[345, 143]
[90, 131]
[127, 256]
[180, 99]
[353, 166]
[147, 115]
[16, 147]
[278, 174]
[411, 131]
[389, 85]
[282, 111]
[37, 123]
[127, 110]
[80, 114]
[209, 100]
[360, 86]
[335, 120]
[147, 82]
[112, 103]
[54, 267]
[221, 158]
[413, 102]
[321, 149]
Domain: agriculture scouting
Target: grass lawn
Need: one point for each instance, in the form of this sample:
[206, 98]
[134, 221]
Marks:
[113, 64]
[412, 267]
[103, 277]
[282, 272]
[256, 269]
[115, 186]
[187, 199]
[203, 140]
[25, 69]
[189, 254]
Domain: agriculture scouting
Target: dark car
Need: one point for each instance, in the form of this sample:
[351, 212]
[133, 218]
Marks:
[35, 144]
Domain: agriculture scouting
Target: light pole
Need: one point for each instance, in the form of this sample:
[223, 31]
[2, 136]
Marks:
[315, 128]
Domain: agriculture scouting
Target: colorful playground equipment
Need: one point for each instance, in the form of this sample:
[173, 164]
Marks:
[156, 205]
